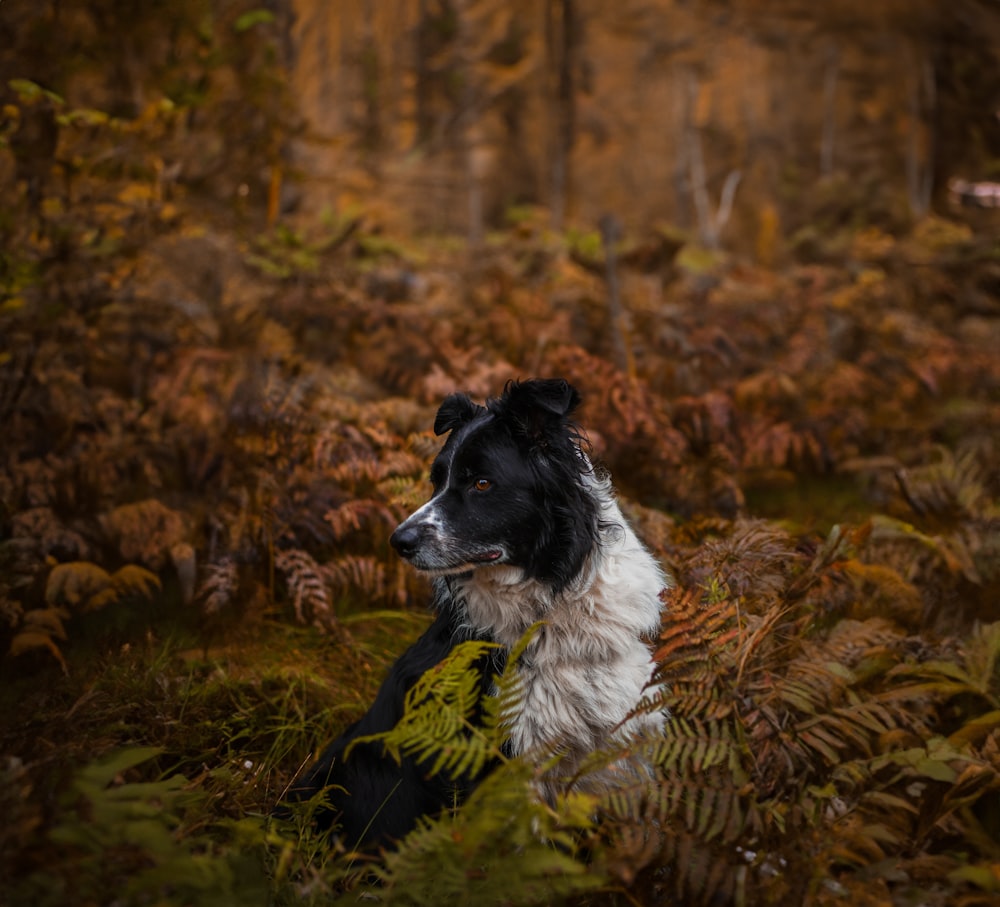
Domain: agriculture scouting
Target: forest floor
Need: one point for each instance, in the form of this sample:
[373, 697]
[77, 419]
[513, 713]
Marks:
[210, 431]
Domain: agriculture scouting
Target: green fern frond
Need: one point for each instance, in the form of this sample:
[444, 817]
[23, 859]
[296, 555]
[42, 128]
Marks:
[437, 726]
[689, 747]
[503, 846]
[499, 708]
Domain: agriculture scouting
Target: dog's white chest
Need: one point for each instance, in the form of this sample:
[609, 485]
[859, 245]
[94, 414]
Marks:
[587, 666]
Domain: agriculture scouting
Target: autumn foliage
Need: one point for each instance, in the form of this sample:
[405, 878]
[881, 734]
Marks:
[215, 424]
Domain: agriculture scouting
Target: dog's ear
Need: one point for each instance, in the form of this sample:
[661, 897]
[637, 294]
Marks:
[540, 406]
[455, 411]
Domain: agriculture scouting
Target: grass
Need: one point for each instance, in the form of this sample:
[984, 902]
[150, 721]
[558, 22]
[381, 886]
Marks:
[148, 771]
[812, 503]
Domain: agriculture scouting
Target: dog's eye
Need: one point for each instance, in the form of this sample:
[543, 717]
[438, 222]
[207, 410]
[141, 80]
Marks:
[482, 485]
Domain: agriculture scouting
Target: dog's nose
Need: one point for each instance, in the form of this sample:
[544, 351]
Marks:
[406, 540]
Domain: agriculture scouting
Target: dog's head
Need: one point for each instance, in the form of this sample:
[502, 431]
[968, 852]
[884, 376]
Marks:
[509, 488]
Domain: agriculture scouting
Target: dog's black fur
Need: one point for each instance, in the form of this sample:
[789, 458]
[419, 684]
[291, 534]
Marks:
[509, 490]
[369, 797]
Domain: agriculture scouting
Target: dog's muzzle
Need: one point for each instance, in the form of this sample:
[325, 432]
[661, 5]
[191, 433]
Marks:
[407, 540]
[421, 542]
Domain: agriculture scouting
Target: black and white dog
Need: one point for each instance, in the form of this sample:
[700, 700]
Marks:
[519, 529]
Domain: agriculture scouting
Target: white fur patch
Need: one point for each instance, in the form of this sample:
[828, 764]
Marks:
[588, 665]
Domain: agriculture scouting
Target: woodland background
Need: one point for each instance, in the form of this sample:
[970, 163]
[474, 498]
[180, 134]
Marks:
[246, 248]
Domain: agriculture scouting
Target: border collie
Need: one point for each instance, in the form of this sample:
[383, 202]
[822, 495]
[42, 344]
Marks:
[519, 529]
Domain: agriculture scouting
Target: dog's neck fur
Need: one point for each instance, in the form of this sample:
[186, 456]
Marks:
[587, 666]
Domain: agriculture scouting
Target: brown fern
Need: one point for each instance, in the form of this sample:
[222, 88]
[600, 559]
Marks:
[307, 587]
[219, 587]
[360, 576]
[144, 531]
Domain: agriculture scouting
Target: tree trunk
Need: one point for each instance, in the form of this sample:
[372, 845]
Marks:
[830, 78]
[920, 141]
[560, 25]
[422, 87]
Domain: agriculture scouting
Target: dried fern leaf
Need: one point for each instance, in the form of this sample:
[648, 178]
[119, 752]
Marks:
[75, 583]
[949, 550]
[975, 729]
[360, 575]
[219, 586]
[359, 515]
[307, 583]
[130, 582]
[29, 639]
[48, 620]
[145, 531]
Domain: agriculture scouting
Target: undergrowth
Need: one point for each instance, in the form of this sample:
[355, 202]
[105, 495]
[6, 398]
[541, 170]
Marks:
[210, 431]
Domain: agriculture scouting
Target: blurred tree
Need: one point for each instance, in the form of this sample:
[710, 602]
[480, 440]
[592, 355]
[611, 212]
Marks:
[562, 36]
[445, 113]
